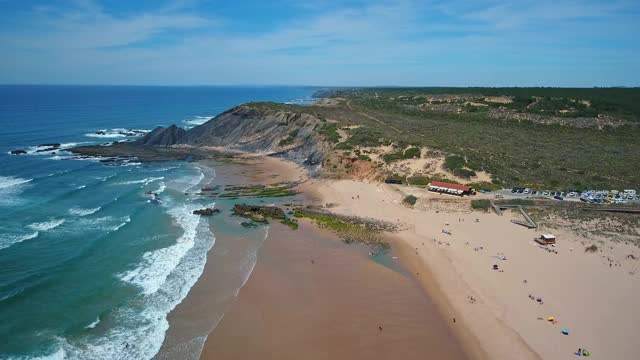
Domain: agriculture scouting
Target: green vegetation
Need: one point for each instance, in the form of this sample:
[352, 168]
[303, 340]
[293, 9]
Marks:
[483, 185]
[481, 204]
[410, 200]
[347, 230]
[516, 153]
[249, 191]
[364, 157]
[411, 153]
[330, 132]
[419, 180]
[516, 202]
[290, 223]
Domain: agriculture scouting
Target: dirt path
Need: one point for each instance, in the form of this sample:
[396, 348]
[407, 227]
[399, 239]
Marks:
[381, 122]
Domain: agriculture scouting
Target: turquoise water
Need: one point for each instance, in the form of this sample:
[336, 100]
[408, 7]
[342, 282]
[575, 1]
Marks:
[90, 265]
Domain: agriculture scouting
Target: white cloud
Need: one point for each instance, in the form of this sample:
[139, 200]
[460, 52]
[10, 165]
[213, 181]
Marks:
[383, 42]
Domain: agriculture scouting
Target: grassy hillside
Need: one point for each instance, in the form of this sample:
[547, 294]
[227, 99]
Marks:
[515, 152]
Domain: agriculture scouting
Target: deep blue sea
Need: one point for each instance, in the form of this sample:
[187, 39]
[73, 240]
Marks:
[88, 260]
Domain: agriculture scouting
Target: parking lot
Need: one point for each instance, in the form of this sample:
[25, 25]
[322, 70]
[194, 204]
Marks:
[590, 196]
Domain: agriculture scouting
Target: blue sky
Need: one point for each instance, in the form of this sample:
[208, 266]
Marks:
[327, 43]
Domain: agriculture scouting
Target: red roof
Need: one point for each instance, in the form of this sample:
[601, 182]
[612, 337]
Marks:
[451, 186]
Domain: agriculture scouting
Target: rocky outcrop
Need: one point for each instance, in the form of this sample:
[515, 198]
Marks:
[161, 136]
[206, 212]
[258, 213]
[252, 129]
[267, 128]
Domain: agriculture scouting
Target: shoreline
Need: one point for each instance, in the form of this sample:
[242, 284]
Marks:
[500, 323]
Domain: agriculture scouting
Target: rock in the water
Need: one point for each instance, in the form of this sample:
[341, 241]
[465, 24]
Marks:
[47, 149]
[18, 152]
[52, 145]
[206, 212]
[264, 211]
[248, 224]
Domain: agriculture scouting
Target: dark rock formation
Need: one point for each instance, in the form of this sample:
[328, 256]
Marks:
[161, 136]
[206, 212]
[258, 213]
[263, 128]
[52, 145]
[18, 152]
[248, 224]
[47, 149]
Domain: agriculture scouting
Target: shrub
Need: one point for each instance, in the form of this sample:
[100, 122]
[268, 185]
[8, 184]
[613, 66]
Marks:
[464, 173]
[419, 180]
[343, 146]
[481, 204]
[409, 200]
[484, 185]
[364, 158]
[391, 157]
[453, 162]
[411, 153]
[290, 223]
[593, 248]
[330, 132]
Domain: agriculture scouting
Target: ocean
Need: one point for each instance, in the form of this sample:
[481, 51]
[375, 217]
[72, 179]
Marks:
[91, 263]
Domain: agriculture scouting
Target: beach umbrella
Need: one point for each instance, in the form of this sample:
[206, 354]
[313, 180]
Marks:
[565, 331]
[550, 318]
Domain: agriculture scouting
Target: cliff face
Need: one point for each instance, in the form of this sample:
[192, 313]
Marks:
[161, 136]
[246, 128]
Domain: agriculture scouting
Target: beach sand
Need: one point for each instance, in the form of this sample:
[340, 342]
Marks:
[333, 308]
[312, 296]
[309, 296]
[595, 302]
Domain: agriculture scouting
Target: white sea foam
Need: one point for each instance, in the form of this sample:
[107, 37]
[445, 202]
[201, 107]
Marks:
[161, 188]
[83, 212]
[49, 150]
[10, 188]
[198, 120]
[12, 240]
[165, 277]
[93, 324]
[117, 133]
[126, 221]
[146, 181]
[10, 181]
[47, 225]
[81, 187]
[157, 265]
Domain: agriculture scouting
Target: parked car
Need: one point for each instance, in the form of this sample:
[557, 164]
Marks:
[571, 194]
[514, 190]
[545, 193]
[526, 191]
[558, 197]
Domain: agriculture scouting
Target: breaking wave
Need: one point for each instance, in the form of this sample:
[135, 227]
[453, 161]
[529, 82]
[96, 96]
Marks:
[83, 212]
[47, 225]
[117, 133]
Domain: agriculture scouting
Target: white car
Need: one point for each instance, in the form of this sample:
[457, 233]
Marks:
[526, 191]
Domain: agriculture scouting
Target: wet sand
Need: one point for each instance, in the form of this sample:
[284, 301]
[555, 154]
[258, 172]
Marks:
[311, 296]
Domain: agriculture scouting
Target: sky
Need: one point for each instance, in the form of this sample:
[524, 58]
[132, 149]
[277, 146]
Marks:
[579, 43]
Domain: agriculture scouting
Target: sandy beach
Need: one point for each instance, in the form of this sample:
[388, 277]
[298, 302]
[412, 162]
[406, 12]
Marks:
[585, 295]
[312, 296]
[437, 293]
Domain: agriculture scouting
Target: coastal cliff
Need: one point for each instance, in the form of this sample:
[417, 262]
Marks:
[250, 127]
